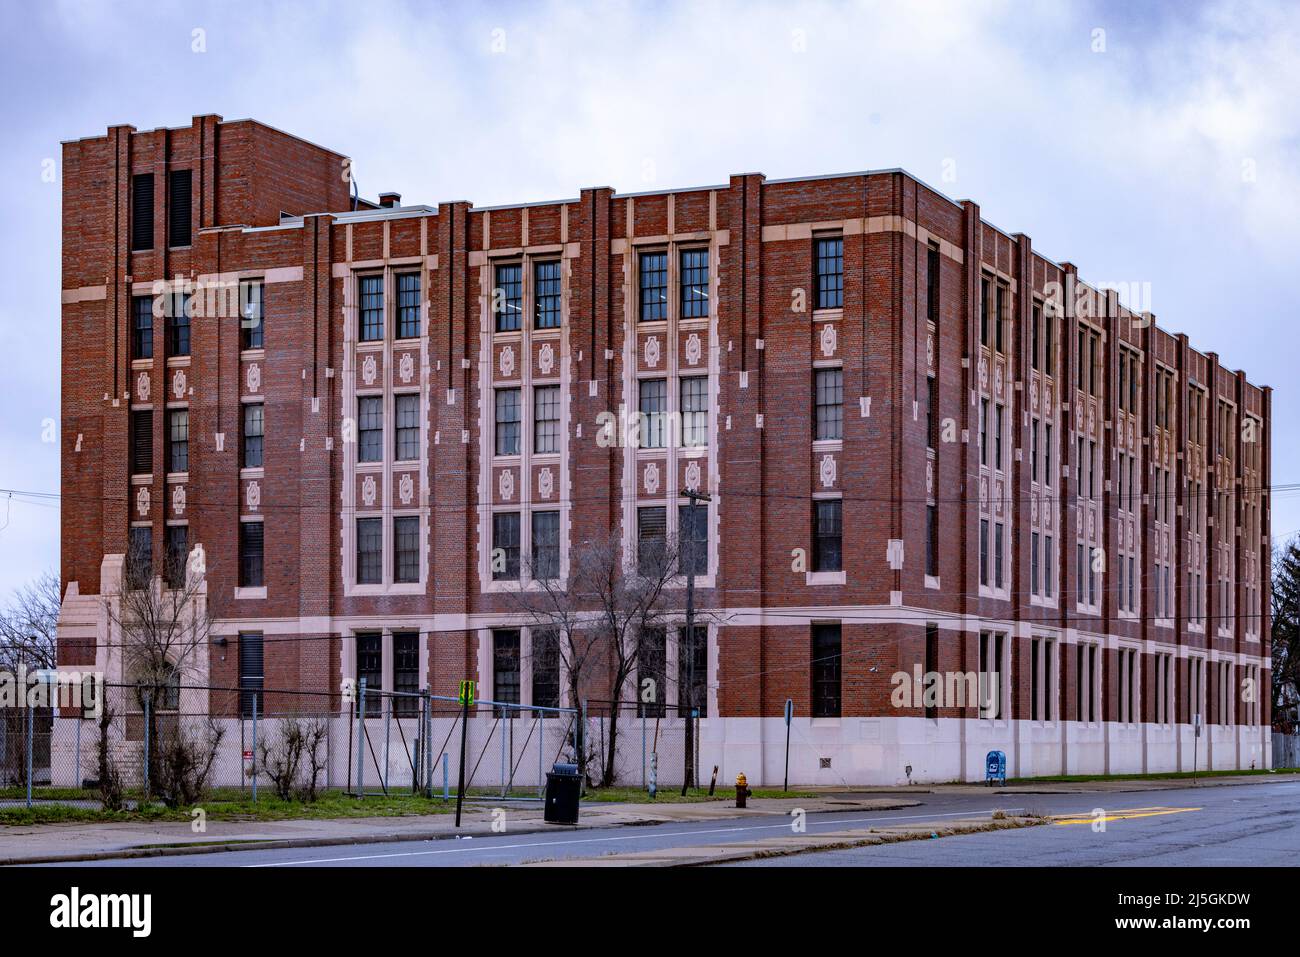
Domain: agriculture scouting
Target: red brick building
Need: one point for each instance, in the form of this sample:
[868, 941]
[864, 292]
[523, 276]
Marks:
[930, 449]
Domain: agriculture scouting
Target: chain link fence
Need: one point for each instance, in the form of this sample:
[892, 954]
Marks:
[630, 744]
[134, 743]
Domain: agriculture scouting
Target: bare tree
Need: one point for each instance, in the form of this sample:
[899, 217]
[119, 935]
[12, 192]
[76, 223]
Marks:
[164, 629]
[603, 614]
[29, 625]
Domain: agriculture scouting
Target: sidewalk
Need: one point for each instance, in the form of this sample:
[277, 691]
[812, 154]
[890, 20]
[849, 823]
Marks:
[53, 843]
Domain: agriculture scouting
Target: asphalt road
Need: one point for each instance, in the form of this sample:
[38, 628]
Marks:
[1241, 825]
[1254, 826]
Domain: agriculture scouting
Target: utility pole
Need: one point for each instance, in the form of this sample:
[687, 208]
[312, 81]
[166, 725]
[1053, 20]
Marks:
[688, 777]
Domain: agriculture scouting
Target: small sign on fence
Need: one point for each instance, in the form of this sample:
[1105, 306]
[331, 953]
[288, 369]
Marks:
[466, 696]
[248, 755]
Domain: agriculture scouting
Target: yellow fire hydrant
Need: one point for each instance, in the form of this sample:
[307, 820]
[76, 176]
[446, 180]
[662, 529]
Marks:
[742, 789]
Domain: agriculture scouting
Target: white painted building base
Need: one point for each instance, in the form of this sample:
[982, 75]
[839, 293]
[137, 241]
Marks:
[879, 751]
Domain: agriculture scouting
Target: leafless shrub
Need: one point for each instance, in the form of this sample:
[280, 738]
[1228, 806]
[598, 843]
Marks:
[183, 762]
[294, 758]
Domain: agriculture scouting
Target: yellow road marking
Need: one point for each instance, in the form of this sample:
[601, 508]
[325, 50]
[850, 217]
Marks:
[1123, 815]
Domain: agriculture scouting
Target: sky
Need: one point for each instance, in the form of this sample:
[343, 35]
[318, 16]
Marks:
[1147, 143]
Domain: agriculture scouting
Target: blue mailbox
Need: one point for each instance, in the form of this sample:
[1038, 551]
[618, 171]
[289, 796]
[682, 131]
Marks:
[995, 768]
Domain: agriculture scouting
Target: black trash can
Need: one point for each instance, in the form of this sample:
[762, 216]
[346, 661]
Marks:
[563, 788]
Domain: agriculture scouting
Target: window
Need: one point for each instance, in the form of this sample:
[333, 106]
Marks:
[693, 539]
[693, 672]
[406, 431]
[370, 670]
[984, 431]
[986, 304]
[1128, 700]
[505, 546]
[1079, 360]
[1087, 681]
[252, 440]
[984, 551]
[178, 324]
[141, 441]
[546, 419]
[178, 440]
[406, 549]
[505, 667]
[826, 671]
[1049, 562]
[998, 416]
[932, 412]
[546, 668]
[1033, 563]
[1035, 683]
[830, 272]
[508, 297]
[932, 540]
[1049, 346]
[932, 284]
[179, 215]
[370, 428]
[828, 398]
[1000, 318]
[546, 546]
[142, 327]
[250, 555]
[1092, 364]
[507, 422]
[651, 538]
[931, 667]
[1048, 445]
[372, 308]
[651, 673]
[142, 212]
[695, 411]
[828, 535]
[408, 305]
[251, 326]
[991, 675]
[1033, 450]
[998, 557]
[176, 555]
[139, 557]
[406, 672]
[653, 287]
[1036, 323]
[695, 284]
[546, 294]
[653, 406]
[252, 672]
[370, 556]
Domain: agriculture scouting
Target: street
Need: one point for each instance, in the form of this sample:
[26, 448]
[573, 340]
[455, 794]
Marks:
[1217, 825]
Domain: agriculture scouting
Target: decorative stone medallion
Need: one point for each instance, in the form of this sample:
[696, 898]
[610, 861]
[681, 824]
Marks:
[178, 384]
[652, 478]
[506, 484]
[826, 470]
[828, 339]
[142, 387]
[692, 475]
[253, 377]
[693, 349]
[652, 352]
[178, 499]
[406, 367]
[369, 369]
[253, 495]
[545, 359]
[368, 491]
[545, 483]
[142, 499]
[406, 488]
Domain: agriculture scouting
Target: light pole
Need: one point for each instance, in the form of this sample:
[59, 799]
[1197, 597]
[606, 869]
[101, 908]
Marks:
[688, 776]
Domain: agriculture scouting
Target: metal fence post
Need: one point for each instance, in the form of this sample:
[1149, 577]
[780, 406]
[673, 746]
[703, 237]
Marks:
[76, 782]
[361, 744]
[31, 728]
[503, 748]
[254, 697]
[388, 721]
[146, 748]
[541, 751]
[428, 744]
[446, 776]
[643, 746]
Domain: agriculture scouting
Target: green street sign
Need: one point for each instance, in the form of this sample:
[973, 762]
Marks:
[466, 693]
